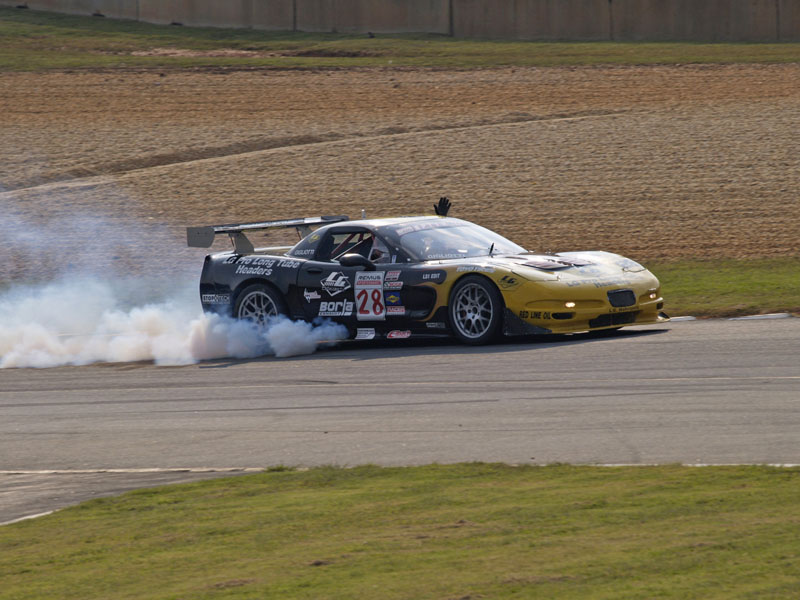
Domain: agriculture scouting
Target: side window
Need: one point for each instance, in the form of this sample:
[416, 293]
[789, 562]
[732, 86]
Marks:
[336, 245]
[380, 253]
[306, 247]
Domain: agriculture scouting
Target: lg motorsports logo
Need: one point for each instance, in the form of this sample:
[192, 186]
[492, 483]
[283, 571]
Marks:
[335, 283]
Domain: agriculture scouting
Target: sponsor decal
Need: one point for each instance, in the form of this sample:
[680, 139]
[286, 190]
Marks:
[443, 256]
[314, 237]
[433, 275]
[306, 252]
[398, 335]
[342, 308]
[474, 269]
[215, 298]
[418, 227]
[590, 271]
[365, 334]
[609, 282]
[507, 282]
[396, 310]
[312, 295]
[624, 309]
[435, 325]
[372, 279]
[245, 270]
[257, 261]
[289, 264]
[392, 299]
[392, 275]
[335, 283]
[524, 314]
[254, 265]
[370, 304]
[393, 285]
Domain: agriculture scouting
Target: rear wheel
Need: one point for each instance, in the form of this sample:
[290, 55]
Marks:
[476, 308]
[258, 303]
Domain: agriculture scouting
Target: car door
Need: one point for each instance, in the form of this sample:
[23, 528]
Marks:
[353, 296]
[326, 287]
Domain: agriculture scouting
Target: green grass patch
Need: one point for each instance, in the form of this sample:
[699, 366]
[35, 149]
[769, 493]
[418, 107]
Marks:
[727, 288]
[35, 41]
[457, 531]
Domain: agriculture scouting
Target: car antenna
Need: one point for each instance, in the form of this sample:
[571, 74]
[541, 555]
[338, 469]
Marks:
[491, 249]
[363, 213]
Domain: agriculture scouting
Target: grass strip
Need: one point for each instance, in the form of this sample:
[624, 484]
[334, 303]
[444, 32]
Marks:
[457, 531]
[729, 288]
[34, 41]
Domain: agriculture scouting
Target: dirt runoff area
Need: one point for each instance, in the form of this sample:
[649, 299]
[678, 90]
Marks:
[659, 162]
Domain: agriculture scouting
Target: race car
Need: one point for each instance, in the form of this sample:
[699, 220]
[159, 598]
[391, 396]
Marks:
[397, 278]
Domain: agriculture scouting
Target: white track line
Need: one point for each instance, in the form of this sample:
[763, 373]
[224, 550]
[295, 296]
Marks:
[134, 471]
[27, 517]
[767, 316]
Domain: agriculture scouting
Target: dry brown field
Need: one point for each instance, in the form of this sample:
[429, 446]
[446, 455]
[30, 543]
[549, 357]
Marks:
[659, 162]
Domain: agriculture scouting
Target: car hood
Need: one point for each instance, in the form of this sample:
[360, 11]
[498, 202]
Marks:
[570, 266]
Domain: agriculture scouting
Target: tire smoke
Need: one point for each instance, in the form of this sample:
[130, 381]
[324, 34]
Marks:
[83, 321]
[111, 289]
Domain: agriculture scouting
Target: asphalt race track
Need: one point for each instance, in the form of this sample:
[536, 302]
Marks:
[695, 392]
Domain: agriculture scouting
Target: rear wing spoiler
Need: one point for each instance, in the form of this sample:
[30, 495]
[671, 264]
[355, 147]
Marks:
[203, 237]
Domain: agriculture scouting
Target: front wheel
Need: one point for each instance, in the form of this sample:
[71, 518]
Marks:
[258, 303]
[476, 310]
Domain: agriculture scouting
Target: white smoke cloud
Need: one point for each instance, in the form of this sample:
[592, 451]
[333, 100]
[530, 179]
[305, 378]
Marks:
[79, 288]
[82, 321]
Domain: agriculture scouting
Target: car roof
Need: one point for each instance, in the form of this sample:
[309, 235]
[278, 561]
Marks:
[387, 221]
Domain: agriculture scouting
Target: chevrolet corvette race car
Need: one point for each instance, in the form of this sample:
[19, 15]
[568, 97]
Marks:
[404, 277]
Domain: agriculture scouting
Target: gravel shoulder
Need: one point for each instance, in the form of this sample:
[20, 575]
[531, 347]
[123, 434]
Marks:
[659, 162]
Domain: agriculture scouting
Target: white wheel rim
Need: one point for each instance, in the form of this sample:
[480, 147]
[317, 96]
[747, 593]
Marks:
[472, 311]
[257, 307]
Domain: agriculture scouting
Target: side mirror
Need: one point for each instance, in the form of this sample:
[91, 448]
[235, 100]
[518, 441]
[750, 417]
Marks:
[356, 260]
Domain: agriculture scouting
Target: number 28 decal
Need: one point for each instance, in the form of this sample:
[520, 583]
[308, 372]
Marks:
[369, 296]
[370, 303]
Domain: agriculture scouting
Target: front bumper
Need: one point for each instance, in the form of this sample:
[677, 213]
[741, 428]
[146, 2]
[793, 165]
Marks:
[581, 310]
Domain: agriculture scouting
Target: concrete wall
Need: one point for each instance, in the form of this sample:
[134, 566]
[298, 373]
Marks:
[274, 15]
[197, 13]
[690, 20]
[532, 19]
[693, 20]
[789, 20]
[117, 9]
[378, 16]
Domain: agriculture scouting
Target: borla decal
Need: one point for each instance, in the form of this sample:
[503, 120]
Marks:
[335, 283]
[369, 296]
[343, 308]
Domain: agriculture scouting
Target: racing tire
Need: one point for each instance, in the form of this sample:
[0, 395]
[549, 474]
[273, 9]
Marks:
[475, 310]
[258, 303]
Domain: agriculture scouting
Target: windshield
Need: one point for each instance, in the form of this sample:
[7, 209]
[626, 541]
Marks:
[443, 239]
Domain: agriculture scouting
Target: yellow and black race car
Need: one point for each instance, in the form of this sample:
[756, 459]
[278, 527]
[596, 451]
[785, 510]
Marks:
[404, 277]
